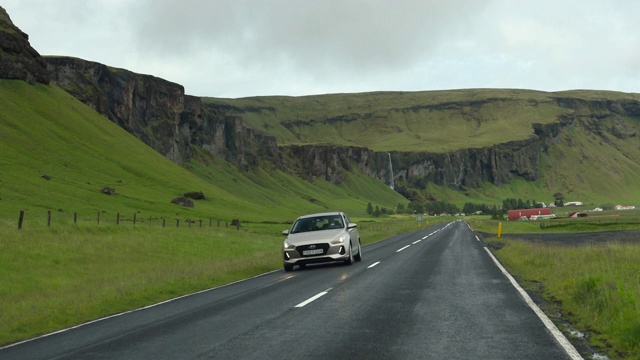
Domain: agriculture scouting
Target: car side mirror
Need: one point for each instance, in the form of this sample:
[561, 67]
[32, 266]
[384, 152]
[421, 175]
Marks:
[286, 232]
[352, 226]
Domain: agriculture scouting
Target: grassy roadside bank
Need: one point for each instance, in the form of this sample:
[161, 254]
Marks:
[595, 286]
[53, 278]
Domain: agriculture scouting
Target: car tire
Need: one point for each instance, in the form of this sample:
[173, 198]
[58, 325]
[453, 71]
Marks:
[288, 267]
[349, 261]
[358, 256]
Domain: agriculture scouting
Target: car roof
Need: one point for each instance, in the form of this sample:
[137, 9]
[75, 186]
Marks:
[321, 214]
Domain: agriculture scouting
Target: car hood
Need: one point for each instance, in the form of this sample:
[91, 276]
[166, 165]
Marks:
[311, 237]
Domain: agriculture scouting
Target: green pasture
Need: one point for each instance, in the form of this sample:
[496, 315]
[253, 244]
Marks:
[596, 287]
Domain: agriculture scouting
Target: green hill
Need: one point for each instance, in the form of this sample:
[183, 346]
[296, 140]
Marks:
[594, 156]
[48, 133]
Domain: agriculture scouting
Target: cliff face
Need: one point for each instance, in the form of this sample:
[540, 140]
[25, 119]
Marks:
[159, 113]
[18, 60]
[459, 169]
[179, 126]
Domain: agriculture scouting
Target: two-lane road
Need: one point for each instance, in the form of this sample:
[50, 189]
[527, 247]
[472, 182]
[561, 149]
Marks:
[431, 294]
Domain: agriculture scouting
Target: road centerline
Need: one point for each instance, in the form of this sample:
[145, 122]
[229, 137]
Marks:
[374, 264]
[313, 298]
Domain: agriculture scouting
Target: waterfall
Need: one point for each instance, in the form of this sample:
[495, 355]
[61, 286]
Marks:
[391, 171]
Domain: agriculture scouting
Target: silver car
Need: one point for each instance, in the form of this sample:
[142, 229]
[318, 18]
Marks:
[319, 238]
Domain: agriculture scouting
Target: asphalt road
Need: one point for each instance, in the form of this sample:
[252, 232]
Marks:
[431, 294]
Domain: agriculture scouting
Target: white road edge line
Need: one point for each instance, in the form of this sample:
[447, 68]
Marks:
[402, 248]
[374, 264]
[313, 298]
[557, 334]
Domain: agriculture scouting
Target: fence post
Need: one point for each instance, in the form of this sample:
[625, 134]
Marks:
[98, 217]
[200, 223]
[75, 218]
[218, 223]
[177, 222]
[189, 222]
[118, 219]
[20, 219]
[134, 218]
[163, 221]
[48, 218]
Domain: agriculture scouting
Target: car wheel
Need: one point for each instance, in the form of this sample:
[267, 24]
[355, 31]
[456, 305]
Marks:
[349, 261]
[358, 256]
[288, 267]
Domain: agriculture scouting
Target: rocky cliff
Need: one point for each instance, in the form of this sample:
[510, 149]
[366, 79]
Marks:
[18, 60]
[160, 114]
[181, 126]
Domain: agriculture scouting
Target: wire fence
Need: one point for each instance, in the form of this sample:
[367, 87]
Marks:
[51, 218]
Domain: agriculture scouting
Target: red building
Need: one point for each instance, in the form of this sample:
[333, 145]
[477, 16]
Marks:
[519, 213]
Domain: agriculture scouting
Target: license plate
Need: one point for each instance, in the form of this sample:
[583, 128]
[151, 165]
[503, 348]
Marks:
[312, 252]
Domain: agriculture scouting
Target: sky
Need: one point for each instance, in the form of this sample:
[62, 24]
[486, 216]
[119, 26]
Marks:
[243, 48]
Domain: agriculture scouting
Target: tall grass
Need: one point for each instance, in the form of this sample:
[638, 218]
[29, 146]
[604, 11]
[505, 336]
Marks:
[54, 278]
[597, 285]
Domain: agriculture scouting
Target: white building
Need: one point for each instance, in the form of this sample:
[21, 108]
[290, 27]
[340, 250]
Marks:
[573, 203]
[625, 207]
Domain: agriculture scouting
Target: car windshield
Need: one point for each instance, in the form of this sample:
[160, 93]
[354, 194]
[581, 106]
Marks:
[317, 223]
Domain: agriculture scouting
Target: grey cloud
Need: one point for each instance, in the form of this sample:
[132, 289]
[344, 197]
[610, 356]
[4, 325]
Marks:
[233, 48]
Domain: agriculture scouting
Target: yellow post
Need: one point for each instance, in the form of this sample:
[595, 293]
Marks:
[499, 229]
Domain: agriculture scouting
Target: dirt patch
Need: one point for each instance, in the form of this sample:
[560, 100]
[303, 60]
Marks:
[620, 236]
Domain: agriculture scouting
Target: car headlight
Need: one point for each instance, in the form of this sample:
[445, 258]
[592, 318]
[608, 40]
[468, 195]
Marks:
[288, 246]
[339, 240]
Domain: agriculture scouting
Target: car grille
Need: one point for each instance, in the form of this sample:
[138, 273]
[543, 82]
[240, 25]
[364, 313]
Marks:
[302, 248]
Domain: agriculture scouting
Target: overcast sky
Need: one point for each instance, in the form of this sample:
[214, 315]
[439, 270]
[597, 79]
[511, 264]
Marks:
[240, 48]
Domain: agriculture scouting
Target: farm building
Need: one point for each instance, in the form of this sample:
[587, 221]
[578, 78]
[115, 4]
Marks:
[527, 213]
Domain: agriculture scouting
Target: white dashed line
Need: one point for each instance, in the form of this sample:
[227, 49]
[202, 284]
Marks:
[415, 242]
[477, 238]
[374, 264]
[313, 298]
[402, 248]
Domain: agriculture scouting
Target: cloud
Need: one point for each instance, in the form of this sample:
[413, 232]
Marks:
[234, 48]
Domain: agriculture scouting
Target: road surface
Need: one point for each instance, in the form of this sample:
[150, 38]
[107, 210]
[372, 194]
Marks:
[431, 294]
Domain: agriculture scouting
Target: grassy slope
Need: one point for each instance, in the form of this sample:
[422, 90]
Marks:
[412, 121]
[46, 131]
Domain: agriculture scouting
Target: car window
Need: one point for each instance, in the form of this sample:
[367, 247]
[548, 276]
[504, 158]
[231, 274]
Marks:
[318, 223]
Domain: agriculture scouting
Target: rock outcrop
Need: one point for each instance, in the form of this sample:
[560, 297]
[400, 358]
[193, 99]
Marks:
[18, 60]
[182, 127]
[160, 114]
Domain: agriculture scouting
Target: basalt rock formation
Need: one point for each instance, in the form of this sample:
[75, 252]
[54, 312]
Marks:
[160, 114]
[18, 60]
